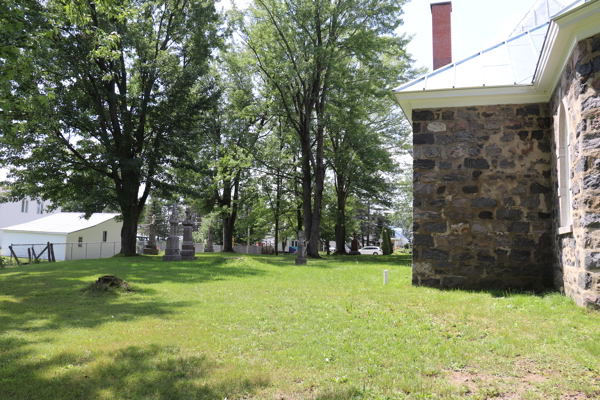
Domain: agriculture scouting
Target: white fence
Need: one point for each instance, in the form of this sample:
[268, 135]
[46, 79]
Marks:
[91, 250]
[66, 251]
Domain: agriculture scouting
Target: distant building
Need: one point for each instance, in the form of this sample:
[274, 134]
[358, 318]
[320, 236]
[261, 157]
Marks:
[399, 240]
[73, 236]
[22, 211]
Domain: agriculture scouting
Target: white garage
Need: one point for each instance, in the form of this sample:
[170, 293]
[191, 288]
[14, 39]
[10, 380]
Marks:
[73, 237]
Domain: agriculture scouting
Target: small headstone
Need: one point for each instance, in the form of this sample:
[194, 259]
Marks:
[301, 252]
[150, 247]
[188, 250]
[172, 250]
[354, 247]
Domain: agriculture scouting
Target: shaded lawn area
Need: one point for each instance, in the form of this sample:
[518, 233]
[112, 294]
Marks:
[260, 327]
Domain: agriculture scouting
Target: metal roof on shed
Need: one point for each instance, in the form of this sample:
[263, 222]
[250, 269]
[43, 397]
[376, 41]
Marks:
[62, 223]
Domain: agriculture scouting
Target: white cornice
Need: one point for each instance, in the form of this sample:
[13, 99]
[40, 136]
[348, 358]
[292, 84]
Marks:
[565, 31]
[563, 35]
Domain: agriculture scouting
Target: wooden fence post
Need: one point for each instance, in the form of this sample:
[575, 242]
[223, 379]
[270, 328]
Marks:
[49, 255]
[12, 252]
[29, 255]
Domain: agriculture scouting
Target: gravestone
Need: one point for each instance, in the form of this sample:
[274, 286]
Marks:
[301, 252]
[188, 250]
[150, 247]
[172, 250]
[354, 247]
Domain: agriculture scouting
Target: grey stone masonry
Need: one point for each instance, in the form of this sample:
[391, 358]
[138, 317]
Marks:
[150, 247]
[483, 197]
[188, 250]
[577, 252]
[172, 249]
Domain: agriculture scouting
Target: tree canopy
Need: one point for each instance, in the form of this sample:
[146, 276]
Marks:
[304, 50]
[109, 97]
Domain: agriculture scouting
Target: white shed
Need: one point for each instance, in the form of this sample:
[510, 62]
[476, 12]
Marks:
[73, 236]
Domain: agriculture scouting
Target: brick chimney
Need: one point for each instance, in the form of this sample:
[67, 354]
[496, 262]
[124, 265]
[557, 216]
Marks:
[442, 34]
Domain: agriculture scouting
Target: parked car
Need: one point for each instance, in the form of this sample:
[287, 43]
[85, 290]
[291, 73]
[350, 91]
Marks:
[332, 249]
[374, 250]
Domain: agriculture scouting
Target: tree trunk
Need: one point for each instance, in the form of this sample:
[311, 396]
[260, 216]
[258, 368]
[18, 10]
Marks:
[131, 207]
[229, 217]
[315, 226]
[340, 223]
[277, 208]
[228, 234]
[306, 185]
[129, 233]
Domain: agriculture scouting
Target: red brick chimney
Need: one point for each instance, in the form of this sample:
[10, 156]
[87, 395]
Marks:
[442, 34]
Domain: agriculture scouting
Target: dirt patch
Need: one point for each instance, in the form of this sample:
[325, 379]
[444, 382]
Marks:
[574, 396]
[460, 378]
[496, 386]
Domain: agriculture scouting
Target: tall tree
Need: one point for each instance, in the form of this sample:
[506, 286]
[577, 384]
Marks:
[110, 97]
[299, 46]
[222, 158]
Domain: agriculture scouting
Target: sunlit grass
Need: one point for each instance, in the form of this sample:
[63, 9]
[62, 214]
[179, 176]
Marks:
[261, 327]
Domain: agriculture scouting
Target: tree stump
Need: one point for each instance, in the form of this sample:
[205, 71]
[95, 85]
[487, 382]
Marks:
[111, 281]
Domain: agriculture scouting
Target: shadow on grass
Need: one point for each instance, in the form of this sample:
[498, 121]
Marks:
[150, 372]
[345, 394]
[51, 296]
[501, 293]
[333, 261]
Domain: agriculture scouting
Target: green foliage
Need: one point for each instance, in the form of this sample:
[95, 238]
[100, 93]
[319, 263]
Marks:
[111, 95]
[309, 54]
[386, 244]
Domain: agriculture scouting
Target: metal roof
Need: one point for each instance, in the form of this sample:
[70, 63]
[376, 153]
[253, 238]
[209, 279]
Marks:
[62, 223]
[542, 11]
[511, 62]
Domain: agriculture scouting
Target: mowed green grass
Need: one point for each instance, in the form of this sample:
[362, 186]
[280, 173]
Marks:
[260, 327]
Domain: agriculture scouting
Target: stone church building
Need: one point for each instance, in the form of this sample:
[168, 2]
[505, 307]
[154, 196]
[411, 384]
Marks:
[507, 157]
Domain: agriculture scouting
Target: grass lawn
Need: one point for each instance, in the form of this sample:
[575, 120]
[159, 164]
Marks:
[260, 327]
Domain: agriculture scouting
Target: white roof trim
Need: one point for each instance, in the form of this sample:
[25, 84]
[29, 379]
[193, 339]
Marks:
[565, 31]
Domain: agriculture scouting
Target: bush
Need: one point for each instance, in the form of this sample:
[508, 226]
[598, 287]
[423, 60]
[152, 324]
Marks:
[386, 247]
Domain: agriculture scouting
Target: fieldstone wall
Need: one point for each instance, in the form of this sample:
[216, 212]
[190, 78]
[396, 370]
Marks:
[483, 197]
[577, 254]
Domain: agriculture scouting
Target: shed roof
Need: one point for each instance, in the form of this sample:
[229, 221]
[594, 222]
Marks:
[62, 223]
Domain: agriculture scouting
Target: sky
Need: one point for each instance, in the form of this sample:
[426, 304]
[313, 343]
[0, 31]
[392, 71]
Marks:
[476, 25]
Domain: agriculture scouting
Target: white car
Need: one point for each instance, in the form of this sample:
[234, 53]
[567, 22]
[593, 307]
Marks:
[373, 250]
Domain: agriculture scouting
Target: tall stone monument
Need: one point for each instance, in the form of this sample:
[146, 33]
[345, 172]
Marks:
[354, 247]
[150, 247]
[188, 250]
[301, 252]
[172, 250]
